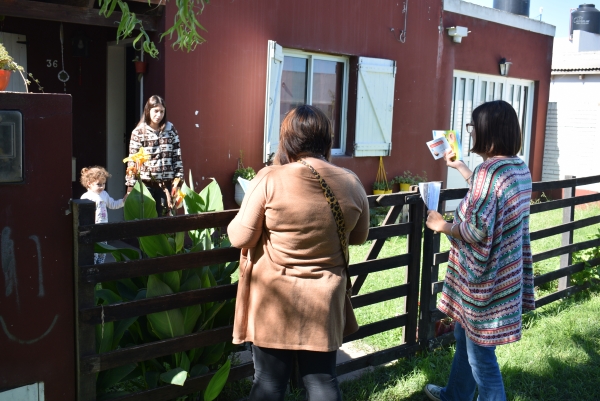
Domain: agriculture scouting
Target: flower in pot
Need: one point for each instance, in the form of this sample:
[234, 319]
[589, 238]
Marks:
[405, 180]
[380, 188]
[7, 66]
[420, 178]
[246, 173]
[140, 67]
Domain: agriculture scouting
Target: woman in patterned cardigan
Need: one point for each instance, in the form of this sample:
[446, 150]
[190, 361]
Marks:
[489, 280]
[160, 141]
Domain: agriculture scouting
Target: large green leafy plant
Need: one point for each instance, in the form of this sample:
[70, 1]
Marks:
[176, 368]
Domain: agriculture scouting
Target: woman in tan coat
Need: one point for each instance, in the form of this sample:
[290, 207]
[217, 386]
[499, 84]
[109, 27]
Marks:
[293, 269]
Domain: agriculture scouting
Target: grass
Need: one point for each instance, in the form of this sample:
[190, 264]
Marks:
[558, 357]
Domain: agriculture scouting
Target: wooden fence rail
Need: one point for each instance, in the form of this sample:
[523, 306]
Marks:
[421, 263]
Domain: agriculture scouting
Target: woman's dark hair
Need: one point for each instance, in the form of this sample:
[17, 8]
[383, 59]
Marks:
[305, 131]
[497, 131]
[152, 102]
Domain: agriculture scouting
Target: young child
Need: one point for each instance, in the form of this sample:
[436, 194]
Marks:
[94, 180]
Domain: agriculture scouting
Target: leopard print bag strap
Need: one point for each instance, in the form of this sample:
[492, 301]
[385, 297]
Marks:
[338, 215]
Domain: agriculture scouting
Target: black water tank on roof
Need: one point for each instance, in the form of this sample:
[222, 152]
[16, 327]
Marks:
[520, 7]
[586, 18]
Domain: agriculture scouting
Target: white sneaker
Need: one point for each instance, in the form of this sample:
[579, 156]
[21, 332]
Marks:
[433, 392]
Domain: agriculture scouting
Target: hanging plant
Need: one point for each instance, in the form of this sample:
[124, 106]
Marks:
[382, 185]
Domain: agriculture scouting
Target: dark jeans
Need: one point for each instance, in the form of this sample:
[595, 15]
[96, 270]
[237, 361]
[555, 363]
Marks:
[273, 367]
[160, 198]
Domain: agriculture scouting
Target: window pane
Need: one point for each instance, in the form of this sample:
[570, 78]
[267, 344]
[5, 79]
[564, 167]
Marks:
[452, 103]
[465, 136]
[517, 102]
[499, 90]
[524, 120]
[293, 84]
[483, 92]
[328, 84]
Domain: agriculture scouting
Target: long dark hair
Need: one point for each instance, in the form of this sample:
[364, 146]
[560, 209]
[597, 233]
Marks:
[305, 131]
[497, 130]
[152, 102]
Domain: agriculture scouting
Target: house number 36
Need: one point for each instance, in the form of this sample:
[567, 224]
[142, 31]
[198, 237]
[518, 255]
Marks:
[51, 63]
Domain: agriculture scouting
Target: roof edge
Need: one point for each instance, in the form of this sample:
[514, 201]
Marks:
[499, 17]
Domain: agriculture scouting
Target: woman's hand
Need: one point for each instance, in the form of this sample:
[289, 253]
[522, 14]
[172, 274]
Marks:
[449, 157]
[457, 164]
[435, 221]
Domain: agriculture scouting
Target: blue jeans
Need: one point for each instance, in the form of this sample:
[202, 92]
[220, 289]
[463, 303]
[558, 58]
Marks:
[473, 367]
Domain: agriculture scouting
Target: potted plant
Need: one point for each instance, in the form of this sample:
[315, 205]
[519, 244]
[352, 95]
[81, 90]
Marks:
[405, 180]
[7, 66]
[140, 66]
[420, 178]
[246, 173]
[378, 188]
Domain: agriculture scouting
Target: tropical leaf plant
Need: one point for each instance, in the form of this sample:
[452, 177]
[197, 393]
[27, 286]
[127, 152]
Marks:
[176, 368]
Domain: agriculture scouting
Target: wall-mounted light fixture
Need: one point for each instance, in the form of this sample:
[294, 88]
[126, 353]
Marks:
[504, 66]
[458, 32]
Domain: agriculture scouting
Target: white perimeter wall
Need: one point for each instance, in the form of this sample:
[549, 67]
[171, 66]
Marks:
[573, 129]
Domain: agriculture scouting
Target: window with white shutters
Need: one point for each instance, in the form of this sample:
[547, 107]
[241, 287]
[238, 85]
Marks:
[297, 77]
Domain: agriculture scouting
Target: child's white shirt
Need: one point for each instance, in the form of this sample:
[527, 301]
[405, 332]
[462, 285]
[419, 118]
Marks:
[102, 200]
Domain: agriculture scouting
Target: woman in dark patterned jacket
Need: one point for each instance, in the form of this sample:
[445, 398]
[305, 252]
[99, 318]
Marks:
[489, 281]
[160, 141]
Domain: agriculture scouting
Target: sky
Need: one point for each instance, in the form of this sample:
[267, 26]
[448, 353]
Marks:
[555, 12]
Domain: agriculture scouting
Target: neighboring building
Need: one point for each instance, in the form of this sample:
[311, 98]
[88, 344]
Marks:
[573, 125]
[384, 92]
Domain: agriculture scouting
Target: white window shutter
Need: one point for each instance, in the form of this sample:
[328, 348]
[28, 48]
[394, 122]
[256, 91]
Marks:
[374, 107]
[16, 47]
[274, 70]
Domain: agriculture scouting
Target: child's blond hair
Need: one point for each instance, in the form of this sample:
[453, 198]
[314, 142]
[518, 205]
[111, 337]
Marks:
[93, 174]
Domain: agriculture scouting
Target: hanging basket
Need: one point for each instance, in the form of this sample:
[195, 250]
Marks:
[140, 67]
[381, 185]
[4, 79]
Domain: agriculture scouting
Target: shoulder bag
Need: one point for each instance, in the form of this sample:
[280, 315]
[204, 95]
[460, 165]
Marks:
[351, 325]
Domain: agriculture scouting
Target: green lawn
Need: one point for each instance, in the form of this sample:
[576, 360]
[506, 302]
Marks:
[398, 245]
[558, 357]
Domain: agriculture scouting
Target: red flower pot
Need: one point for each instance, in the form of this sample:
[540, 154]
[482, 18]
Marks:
[4, 79]
[140, 67]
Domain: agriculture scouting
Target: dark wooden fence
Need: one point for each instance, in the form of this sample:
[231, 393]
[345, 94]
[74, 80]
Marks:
[421, 266]
[432, 257]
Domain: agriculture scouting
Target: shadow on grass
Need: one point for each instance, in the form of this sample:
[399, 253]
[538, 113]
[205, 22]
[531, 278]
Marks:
[561, 379]
[554, 378]
[404, 379]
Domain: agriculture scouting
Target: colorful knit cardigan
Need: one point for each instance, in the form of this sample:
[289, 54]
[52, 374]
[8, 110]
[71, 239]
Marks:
[490, 274]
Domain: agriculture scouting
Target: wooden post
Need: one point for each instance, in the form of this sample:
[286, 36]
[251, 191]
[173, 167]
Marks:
[83, 215]
[429, 275]
[412, 272]
[567, 237]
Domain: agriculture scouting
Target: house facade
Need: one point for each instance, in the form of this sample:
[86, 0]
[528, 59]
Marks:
[386, 73]
[573, 126]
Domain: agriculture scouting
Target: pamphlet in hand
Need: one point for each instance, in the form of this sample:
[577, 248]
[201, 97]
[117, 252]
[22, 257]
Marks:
[450, 140]
[438, 147]
[430, 192]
